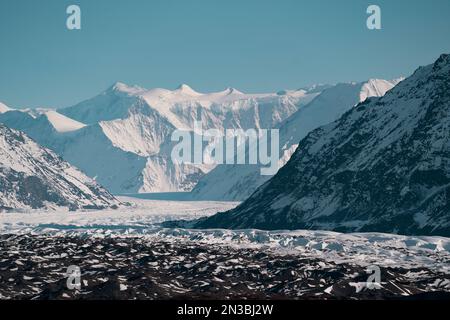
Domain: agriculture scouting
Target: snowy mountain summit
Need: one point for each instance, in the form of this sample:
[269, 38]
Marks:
[384, 166]
[33, 177]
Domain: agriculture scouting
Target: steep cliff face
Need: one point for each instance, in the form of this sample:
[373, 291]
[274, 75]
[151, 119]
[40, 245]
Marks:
[383, 166]
[34, 177]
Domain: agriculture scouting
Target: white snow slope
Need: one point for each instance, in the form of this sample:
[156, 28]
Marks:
[62, 123]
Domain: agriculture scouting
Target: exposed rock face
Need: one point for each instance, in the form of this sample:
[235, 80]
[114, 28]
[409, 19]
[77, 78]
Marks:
[34, 177]
[383, 166]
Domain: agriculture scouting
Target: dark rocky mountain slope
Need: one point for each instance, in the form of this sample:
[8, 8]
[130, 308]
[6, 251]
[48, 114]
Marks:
[32, 177]
[384, 166]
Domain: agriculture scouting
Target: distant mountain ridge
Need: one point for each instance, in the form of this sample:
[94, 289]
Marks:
[384, 166]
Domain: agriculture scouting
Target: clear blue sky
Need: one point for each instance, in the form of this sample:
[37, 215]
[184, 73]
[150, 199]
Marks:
[253, 45]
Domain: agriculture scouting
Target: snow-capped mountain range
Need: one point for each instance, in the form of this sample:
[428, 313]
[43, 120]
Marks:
[238, 182]
[384, 166]
[33, 177]
[122, 136]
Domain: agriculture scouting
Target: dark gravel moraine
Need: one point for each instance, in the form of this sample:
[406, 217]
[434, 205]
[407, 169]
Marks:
[34, 267]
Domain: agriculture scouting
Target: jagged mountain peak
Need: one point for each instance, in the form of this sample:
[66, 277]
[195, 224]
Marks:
[187, 90]
[442, 63]
[231, 90]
